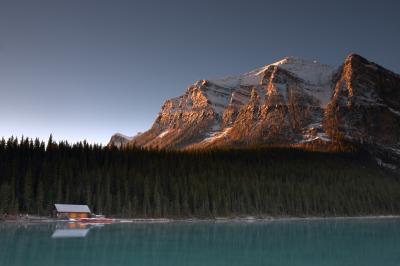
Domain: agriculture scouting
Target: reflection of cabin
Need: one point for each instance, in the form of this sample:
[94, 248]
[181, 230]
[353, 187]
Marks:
[70, 230]
[69, 233]
[72, 211]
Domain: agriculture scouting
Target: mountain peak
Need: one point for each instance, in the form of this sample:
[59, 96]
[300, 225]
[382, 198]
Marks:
[293, 60]
[293, 101]
[119, 139]
[354, 58]
[309, 70]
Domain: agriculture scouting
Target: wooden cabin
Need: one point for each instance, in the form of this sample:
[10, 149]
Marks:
[72, 211]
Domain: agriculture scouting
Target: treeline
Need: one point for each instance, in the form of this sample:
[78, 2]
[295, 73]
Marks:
[208, 183]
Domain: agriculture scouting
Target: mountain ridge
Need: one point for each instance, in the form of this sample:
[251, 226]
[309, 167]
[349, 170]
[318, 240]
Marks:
[292, 102]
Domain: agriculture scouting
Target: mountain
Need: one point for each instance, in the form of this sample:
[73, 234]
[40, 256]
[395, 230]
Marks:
[119, 140]
[293, 102]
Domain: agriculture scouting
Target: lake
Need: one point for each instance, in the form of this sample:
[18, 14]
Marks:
[283, 242]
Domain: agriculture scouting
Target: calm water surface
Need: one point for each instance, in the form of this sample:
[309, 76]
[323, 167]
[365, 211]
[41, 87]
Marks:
[323, 242]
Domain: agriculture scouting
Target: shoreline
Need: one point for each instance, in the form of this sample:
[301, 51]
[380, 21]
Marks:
[247, 219]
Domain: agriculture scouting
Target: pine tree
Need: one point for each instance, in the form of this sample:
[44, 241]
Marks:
[5, 198]
[39, 198]
[157, 203]
[50, 143]
[28, 192]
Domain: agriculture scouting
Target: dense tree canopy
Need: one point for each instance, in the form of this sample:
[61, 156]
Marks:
[206, 183]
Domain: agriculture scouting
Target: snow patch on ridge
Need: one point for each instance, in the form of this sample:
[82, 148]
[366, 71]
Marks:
[123, 136]
[218, 98]
[317, 77]
[319, 136]
[162, 134]
[386, 165]
[248, 79]
[394, 111]
[217, 135]
[312, 72]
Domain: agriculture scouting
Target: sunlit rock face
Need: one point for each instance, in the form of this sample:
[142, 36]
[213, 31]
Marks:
[118, 140]
[365, 102]
[365, 107]
[292, 102]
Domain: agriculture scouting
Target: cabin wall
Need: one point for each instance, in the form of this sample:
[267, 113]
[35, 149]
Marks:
[73, 215]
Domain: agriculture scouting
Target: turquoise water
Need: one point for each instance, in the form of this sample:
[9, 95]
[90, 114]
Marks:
[318, 242]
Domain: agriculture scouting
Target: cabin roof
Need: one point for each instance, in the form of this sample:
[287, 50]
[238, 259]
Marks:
[72, 208]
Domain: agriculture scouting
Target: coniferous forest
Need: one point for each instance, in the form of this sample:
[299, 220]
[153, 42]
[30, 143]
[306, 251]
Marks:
[205, 183]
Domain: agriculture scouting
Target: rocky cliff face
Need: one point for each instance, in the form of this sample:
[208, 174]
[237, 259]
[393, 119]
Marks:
[292, 102]
[119, 140]
[365, 108]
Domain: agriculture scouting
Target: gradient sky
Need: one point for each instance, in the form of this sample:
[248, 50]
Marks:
[87, 69]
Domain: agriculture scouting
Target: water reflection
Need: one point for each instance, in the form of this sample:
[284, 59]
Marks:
[73, 230]
[347, 242]
[70, 231]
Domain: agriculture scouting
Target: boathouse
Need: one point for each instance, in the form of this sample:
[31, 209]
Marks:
[72, 211]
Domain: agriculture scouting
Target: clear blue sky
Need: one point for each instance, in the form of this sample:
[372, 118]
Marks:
[86, 69]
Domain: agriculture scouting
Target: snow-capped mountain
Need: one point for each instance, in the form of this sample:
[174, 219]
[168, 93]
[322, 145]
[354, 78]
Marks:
[293, 102]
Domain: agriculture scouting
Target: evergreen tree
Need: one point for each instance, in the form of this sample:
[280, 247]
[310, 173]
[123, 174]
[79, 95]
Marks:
[156, 183]
[5, 198]
[40, 198]
[28, 192]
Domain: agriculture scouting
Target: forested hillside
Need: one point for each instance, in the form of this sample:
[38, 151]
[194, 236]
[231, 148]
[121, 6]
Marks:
[207, 183]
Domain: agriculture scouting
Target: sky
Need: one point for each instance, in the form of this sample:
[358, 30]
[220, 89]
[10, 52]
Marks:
[85, 69]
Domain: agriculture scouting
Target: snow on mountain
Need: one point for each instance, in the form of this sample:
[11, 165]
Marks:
[217, 135]
[233, 93]
[123, 136]
[119, 140]
[290, 102]
[312, 72]
[247, 79]
[316, 76]
[163, 134]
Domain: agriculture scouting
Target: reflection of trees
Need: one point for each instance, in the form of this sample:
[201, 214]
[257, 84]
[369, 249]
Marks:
[351, 242]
